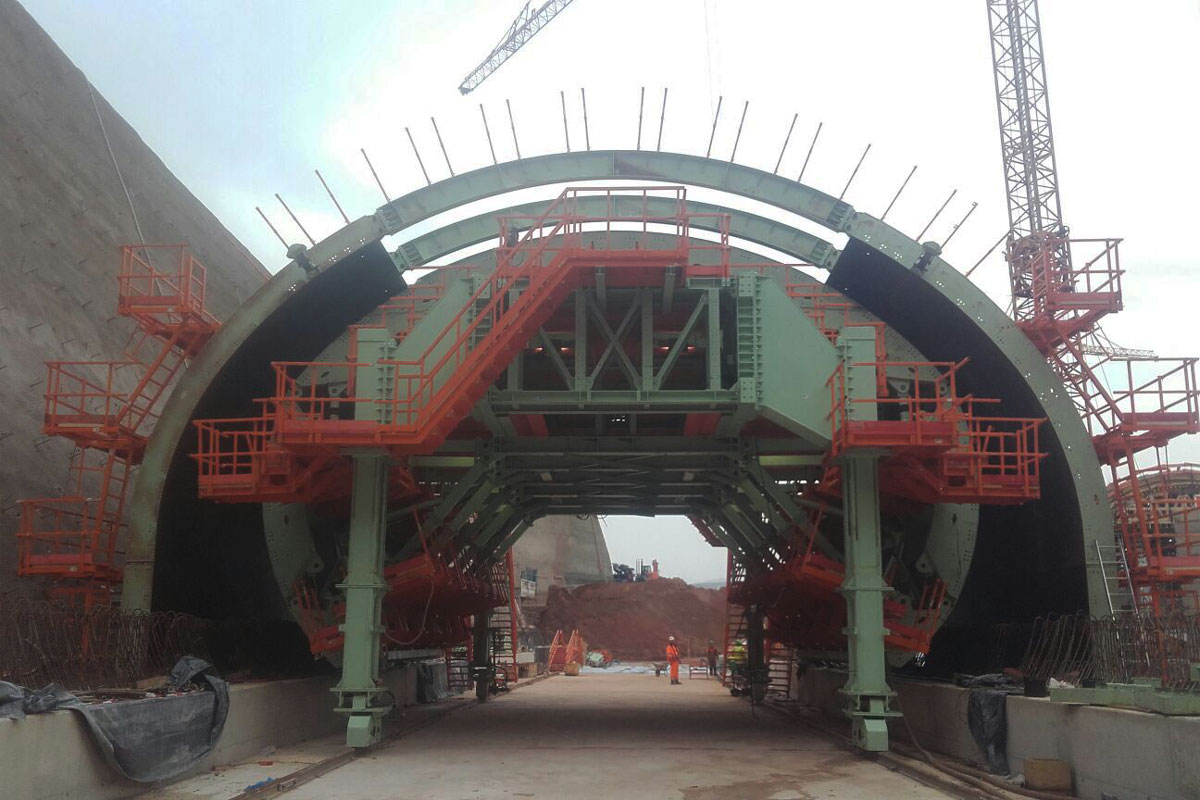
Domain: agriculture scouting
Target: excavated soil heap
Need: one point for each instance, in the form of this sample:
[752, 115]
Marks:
[633, 620]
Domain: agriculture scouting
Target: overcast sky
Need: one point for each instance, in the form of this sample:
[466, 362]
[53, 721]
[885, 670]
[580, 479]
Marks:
[244, 99]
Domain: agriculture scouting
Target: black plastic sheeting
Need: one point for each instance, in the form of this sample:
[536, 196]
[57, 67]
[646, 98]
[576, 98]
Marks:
[144, 740]
[987, 717]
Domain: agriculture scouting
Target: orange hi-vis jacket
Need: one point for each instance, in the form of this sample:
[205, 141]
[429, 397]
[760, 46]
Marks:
[672, 653]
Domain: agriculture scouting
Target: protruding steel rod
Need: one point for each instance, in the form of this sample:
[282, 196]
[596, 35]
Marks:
[662, 119]
[283, 242]
[811, 145]
[587, 136]
[442, 145]
[938, 214]
[786, 139]
[416, 153]
[296, 220]
[990, 250]
[512, 124]
[861, 158]
[331, 197]
[566, 131]
[488, 132]
[716, 118]
[738, 137]
[898, 191]
[966, 216]
[375, 174]
[641, 108]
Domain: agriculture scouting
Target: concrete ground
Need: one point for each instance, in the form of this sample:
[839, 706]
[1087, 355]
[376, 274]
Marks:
[627, 736]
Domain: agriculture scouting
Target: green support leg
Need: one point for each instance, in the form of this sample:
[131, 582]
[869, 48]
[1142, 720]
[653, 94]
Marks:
[359, 694]
[756, 662]
[869, 700]
[481, 668]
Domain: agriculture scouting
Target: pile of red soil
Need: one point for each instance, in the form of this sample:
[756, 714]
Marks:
[633, 620]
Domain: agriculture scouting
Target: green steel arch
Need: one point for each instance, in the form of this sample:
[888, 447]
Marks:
[352, 268]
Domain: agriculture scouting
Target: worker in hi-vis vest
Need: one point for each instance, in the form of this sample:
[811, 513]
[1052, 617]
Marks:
[673, 659]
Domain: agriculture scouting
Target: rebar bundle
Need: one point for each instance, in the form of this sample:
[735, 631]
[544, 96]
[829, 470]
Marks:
[1118, 649]
[100, 647]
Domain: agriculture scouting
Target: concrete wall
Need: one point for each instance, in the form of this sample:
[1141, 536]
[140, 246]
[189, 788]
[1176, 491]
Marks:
[565, 551]
[52, 756]
[1124, 754]
[1111, 751]
[63, 216]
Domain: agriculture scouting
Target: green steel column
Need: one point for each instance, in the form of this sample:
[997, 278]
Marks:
[481, 645]
[869, 700]
[756, 661]
[359, 694]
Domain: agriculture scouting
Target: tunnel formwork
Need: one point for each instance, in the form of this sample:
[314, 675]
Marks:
[622, 351]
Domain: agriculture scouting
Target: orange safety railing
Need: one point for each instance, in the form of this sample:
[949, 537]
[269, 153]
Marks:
[926, 420]
[1053, 298]
[996, 459]
[949, 452]
[69, 537]
[162, 288]
[557, 658]
[83, 401]
[1129, 401]
[915, 635]
[531, 261]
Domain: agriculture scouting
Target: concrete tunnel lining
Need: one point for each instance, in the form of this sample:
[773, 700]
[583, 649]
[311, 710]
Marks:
[188, 399]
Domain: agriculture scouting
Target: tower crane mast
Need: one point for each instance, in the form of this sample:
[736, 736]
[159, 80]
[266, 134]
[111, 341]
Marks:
[1023, 103]
[523, 28]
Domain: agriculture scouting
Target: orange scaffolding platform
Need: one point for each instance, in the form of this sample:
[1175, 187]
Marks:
[1055, 299]
[938, 446]
[107, 409]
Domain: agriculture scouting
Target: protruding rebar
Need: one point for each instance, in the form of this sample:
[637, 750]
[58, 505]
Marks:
[861, 158]
[938, 214]
[661, 120]
[887, 210]
[331, 197]
[416, 153]
[282, 241]
[566, 131]
[488, 132]
[641, 108]
[966, 216]
[990, 250]
[587, 136]
[442, 145]
[375, 174]
[713, 134]
[738, 137]
[512, 124]
[786, 139]
[295, 219]
[811, 145]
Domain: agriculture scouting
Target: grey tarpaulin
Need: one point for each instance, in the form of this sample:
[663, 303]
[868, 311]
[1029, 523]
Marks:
[431, 681]
[987, 717]
[145, 740]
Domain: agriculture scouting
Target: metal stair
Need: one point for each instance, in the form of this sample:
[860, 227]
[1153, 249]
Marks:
[780, 667]
[1115, 570]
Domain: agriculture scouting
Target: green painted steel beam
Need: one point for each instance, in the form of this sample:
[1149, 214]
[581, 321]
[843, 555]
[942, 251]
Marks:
[359, 694]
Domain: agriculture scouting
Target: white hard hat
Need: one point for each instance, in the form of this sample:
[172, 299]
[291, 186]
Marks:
[670, 638]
